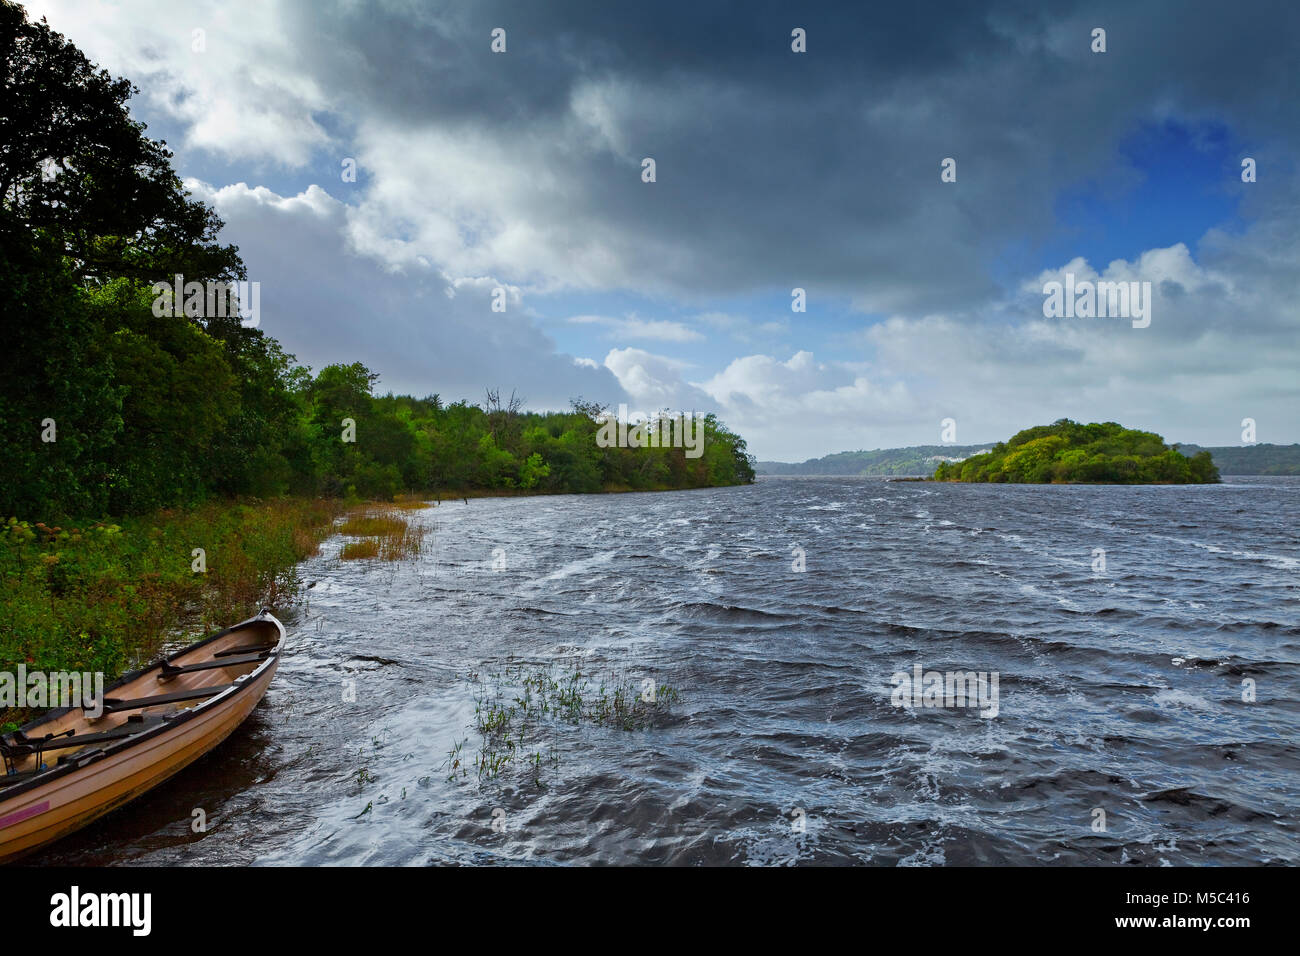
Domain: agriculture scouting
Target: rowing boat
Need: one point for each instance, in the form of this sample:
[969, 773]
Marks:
[68, 767]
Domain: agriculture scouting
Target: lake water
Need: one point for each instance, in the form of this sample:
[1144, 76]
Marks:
[1120, 691]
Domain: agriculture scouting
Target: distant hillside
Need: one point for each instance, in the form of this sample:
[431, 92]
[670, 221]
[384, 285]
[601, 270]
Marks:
[1252, 459]
[919, 460]
[916, 460]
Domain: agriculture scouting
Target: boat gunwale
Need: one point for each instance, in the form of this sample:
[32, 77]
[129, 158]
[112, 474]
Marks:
[171, 722]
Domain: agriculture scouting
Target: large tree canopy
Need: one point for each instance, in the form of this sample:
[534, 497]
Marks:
[106, 407]
[76, 165]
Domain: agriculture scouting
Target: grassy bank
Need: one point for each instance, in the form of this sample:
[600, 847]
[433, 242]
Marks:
[103, 597]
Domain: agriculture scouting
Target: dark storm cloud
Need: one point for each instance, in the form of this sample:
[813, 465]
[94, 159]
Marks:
[822, 169]
[775, 170]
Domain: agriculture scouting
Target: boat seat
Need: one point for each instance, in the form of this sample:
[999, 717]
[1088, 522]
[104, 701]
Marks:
[113, 704]
[171, 670]
[19, 739]
[244, 649]
[129, 729]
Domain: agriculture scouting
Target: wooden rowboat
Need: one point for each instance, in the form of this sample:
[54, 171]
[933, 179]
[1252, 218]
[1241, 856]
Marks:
[66, 768]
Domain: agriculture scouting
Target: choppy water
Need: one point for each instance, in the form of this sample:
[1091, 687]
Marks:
[1119, 690]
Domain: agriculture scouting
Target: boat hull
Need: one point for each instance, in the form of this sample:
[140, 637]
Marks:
[75, 797]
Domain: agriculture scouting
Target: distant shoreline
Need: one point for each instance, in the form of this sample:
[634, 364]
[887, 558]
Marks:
[931, 480]
[1235, 460]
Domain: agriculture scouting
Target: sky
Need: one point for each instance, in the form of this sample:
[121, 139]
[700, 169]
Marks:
[775, 170]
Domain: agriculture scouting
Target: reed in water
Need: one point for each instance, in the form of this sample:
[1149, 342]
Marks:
[383, 533]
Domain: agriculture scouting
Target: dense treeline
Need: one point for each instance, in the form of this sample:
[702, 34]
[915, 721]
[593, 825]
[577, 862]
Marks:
[108, 408]
[1067, 451]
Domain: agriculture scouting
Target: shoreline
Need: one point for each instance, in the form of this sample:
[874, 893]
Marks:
[957, 481]
[535, 493]
[106, 595]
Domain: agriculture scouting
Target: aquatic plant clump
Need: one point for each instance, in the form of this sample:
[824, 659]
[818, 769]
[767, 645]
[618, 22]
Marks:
[386, 535]
[520, 710]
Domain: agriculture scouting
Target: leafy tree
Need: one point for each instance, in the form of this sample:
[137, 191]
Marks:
[75, 165]
[153, 411]
[54, 367]
[1066, 451]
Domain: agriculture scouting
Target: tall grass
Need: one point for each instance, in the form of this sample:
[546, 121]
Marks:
[372, 524]
[384, 533]
[365, 548]
[410, 502]
[98, 596]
